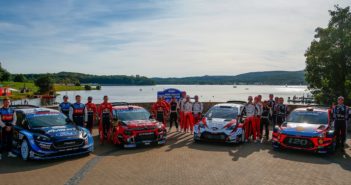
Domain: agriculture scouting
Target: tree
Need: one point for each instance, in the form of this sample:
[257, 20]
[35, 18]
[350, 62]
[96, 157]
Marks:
[45, 84]
[4, 75]
[328, 59]
[19, 78]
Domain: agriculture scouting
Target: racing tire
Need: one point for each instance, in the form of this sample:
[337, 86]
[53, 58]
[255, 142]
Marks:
[25, 150]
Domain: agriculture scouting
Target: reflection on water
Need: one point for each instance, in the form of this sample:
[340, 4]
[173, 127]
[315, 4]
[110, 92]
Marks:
[214, 93]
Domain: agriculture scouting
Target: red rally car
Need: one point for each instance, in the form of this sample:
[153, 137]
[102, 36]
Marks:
[133, 126]
[307, 129]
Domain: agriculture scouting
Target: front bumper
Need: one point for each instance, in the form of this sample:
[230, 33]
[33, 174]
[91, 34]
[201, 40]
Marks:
[135, 140]
[315, 144]
[202, 134]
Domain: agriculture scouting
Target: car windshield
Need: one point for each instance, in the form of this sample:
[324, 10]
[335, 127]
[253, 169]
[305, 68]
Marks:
[311, 117]
[47, 120]
[222, 113]
[128, 115]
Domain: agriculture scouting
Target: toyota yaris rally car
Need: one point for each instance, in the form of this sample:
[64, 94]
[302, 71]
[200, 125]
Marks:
[133, 127]
[221, 124]
[42, 133]
[306, 129]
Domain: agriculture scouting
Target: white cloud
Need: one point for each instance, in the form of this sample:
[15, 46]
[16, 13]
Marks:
[179, 38]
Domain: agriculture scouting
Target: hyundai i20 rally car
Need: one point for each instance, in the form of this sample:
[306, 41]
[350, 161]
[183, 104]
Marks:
[133, 127]
[221, 124]
[306, 129]
[42, 133]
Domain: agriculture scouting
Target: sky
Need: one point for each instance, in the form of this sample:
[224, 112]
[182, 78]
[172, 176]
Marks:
[164, 38]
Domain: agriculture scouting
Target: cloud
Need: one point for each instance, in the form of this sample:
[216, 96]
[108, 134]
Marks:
[159, 38]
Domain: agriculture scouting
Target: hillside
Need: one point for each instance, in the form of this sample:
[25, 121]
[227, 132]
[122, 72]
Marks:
[268, 78]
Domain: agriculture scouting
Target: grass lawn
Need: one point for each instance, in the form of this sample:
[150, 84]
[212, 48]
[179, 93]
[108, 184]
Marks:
[33, 88]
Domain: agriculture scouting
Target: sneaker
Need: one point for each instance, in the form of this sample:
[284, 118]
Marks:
[10, 154]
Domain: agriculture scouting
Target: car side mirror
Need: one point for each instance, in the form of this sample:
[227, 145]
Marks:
[68, 120]
[151, 117]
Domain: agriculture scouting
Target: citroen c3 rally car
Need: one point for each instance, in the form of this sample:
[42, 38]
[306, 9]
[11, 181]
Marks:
[308, 129]
[133, 127]
[221, 124]
[42, 133]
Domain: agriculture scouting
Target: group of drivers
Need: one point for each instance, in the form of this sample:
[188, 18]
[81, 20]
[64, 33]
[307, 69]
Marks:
[182, 111]
[260, 114]
[85, 115]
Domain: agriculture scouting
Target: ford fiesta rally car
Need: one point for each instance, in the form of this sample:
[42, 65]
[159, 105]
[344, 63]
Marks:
[221, 124]
[134, 127]
[42, 133]
[306, 129]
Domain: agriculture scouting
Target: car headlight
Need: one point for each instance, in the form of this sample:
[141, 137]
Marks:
[42, 138]
[84, 134]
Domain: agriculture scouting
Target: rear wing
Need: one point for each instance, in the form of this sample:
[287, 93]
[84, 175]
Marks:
[237, 102]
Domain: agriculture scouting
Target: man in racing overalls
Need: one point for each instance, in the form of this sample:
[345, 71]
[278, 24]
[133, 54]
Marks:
[271, 105]
[257, 123]
[78, 113]
[65, 106]
[106, 117]
[180, 110]
[160, 110]
[250, 111]
[281, 111]
[173, 116]
[7, 121]
[188, 115]
[198, 108]
[92, 113]
[340, 116]
[265, 119]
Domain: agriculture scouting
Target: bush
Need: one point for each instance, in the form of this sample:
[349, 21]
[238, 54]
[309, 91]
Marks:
[45, 84]
[19, 78]
[87, 87]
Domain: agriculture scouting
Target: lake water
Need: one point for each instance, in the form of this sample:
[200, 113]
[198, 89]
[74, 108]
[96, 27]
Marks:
[207, 93]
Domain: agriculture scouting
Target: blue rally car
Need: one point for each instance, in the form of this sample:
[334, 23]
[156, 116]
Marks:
[42, 133]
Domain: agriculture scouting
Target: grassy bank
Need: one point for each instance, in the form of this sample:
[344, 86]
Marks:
[17, 95]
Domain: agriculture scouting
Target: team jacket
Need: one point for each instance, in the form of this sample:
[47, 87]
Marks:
[281, 110]
[92, 109]
[8, 117]
[105, 111]
[340, 113]
[198, 108]
[249, 110]
[78, 111]
[64, 108]
[187, 107]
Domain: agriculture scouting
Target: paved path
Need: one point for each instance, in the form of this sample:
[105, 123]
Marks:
[183, 162]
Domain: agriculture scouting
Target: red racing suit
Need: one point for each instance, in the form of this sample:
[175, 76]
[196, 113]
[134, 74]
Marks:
[188, 121]
[92, 114]
[160, 111]
[106, 115]
[250, 110]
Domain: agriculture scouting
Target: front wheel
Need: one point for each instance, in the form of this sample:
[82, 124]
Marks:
[25, 150]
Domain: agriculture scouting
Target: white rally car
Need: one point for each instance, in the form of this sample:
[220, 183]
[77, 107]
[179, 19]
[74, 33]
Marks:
[221, 124]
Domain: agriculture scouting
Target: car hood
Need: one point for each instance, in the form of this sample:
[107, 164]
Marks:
[69, 131]
[303, 129]
[135, 124]
[218, 123]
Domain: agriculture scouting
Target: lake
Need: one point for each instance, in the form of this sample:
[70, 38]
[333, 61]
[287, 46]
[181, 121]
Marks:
[207, 93]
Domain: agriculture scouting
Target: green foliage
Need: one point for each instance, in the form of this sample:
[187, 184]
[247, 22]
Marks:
[45, 84]
[328, 59]
[87, 87]
[19, 78]
[98, 87]
[74, 78]
[4, 75]
[268, 78]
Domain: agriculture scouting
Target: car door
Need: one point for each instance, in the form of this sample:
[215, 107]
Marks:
[17, 136]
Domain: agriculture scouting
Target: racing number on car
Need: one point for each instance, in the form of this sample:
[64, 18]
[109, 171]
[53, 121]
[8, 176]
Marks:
[298, 141]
